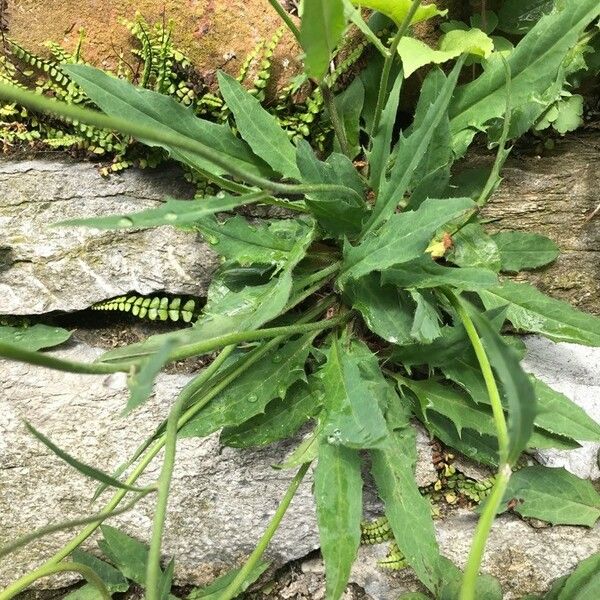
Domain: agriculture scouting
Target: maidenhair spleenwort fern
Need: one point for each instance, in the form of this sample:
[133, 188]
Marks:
[155, 308]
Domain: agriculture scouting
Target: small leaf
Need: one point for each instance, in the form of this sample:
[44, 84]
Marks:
[397, 10]
[349, 106]
[531, 310]
[338, 496]
[282, 419]
[171, 212]
[402, 238]
[472, 247]
[340, 214]
[126, 553]
[582, 584]
[248, 396]
[352, 416]
[426, 324]
[267, 242]
[387, 311]
[36, 337]
[520, 250]
[111, 577]
[258, 128]
[84, 469]
[305, 452]
[323, 24]
[215, 590]
[553, 495]
[424, 272]
[416, 54]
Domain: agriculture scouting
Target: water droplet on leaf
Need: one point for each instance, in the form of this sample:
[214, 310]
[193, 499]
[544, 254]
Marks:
[252, 398]
[171, 216]
[125, 222]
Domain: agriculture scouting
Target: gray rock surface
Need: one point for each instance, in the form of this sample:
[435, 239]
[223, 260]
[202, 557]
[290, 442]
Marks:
[44, 269]
[574, 371]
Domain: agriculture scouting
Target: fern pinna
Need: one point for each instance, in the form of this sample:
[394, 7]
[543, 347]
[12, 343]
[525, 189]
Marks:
[155, 308]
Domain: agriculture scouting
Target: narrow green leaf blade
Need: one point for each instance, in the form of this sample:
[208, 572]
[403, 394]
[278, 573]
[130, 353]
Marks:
[84, 469]
[349, 104]
[409, 513]
[36, 337]
[583, 583]
[248, 396]
[118, 98]
[323, 23]
[531, 310]
[258, 128]
[338, 496]
[553, 495]
[402, 238]
[520, 250]
[171, 212]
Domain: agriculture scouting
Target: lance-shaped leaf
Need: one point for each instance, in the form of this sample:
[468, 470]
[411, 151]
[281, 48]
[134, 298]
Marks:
[349, 105]
[282, 419]
[408, 512]
[410, 153]
[171, 212]
[338, 496]
[402, 238]
[382, 138]
[553, 495]
[33, 338]
[352, 416]
[387, 311]
[118, 98]
[520, 250]
[536, 74]
[582, 584]
[258, 128]
[472, 247]
[426, 324]
[531, 310]
[252, 391]
[517, 387]
[424, 272]
[339, 214]
[125, 552]
[323, 23]
[84, 469]
[266, 242]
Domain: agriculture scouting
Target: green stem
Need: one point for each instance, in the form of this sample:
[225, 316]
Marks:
[69, 567]
[287, 19]
[49, 529]
[387, 67]
[173, 139]
[153, 571]
[59, 364]
[336, 121]
[501, 154]
[234, 587]
[492, 504]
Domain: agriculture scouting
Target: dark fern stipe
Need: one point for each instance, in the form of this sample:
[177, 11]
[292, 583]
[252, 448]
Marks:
[155, 308]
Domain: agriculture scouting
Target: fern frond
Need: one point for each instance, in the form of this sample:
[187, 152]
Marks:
[155, 308]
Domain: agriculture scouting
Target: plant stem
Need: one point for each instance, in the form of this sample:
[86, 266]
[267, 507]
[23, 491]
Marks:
[69, 567]
[492, 504]
[240, 578]
[501, 154]
[287, 19]
[153, 571]
[172, 139]
[387, 67]
[334, 115]
[59, 364]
